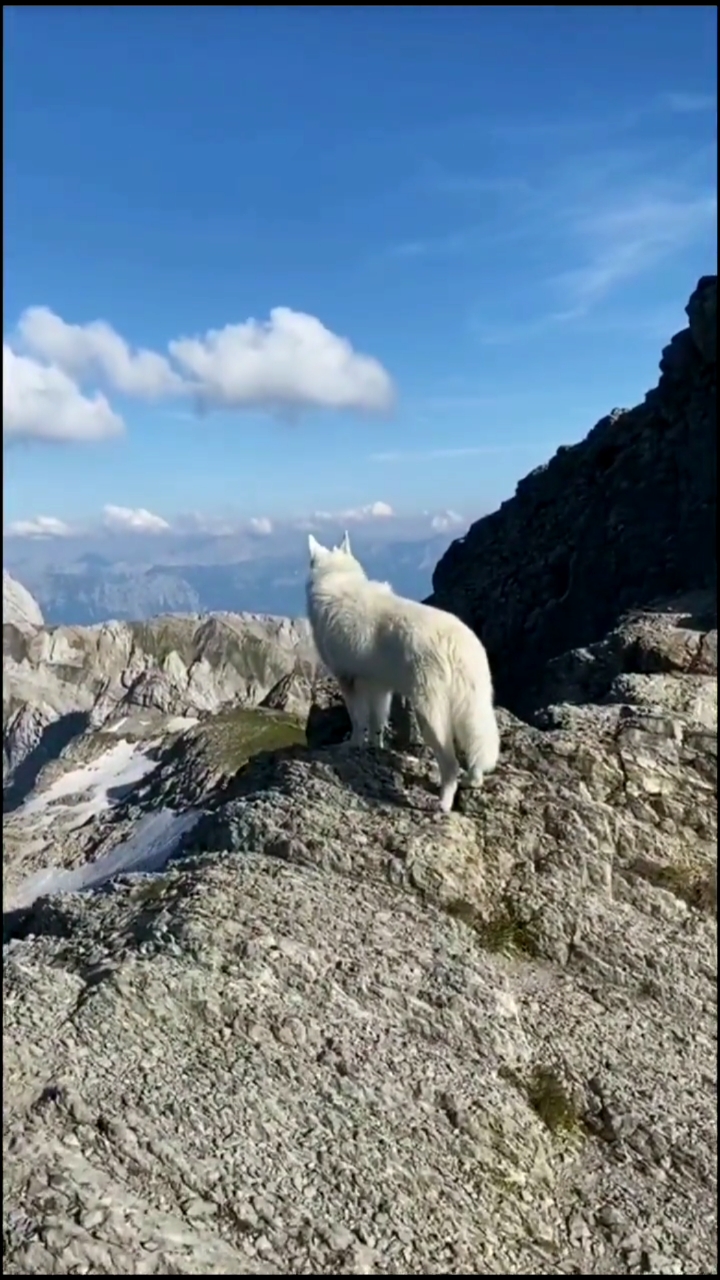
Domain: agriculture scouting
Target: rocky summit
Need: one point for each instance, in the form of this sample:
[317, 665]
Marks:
[266, 1011]
[623, 518]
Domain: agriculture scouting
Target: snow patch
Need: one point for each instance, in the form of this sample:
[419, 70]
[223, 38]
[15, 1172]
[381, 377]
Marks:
[121, 766]
[146, 850]
[178, 723]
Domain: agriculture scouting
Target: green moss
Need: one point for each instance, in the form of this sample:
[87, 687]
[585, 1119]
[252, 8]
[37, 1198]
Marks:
[505, 932]
[231, 737]
[549, 1098]
[151, 891]
[551, 1101]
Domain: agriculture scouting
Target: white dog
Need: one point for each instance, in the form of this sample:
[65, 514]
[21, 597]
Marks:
[376, 643]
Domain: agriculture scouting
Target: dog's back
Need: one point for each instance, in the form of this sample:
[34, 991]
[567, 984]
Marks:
[363, 630]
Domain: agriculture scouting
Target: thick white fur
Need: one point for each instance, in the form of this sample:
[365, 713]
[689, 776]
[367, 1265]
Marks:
[376, 644]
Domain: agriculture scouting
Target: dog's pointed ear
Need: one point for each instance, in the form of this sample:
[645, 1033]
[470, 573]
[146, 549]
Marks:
[315, 549]
[345, 544]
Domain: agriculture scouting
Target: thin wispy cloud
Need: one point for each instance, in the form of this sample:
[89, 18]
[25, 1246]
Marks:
[471, 401]
[434, 246]
[440, 180]
[688, 103]
[608, 221]
[493, 334]
[468, 451]
[613, 202]
[626, 240]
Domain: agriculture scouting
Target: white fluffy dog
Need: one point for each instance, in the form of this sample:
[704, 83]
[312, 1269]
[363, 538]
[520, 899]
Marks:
[376, 643]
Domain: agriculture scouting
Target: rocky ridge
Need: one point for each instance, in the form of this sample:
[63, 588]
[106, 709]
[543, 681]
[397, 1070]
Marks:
[340, 1034]
[625, 517]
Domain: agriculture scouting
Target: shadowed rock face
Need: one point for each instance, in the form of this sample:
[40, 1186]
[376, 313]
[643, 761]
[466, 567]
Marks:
[624, 518]
[339, 1034]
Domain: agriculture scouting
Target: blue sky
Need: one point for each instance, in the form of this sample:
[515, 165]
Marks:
[502, 209]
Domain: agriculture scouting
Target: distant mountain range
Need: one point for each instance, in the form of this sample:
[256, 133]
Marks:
[80, 581]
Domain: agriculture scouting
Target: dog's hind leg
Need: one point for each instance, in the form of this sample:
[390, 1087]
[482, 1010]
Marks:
[436, 729]
[379, 701]
[356, 701]
[477, 736]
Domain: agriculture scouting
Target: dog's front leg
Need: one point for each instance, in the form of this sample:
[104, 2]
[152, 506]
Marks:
[379, 714]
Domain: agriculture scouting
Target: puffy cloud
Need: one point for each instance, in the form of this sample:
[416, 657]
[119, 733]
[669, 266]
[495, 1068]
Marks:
[261, 525]
[446, 520]
[87, 350]
[290, 362]
[133, 520]
[371, 511]
[379, 510]
[40, 527]
[41, 402]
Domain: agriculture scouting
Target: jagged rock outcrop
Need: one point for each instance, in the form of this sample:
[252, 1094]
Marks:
[625, 517]
[20, 609]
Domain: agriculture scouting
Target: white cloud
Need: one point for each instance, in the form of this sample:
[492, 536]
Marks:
[253, 535]
[446, 520]
[89, 350]
[261, 525]
[370, 511]
[290, 362]
[41, 402]
[40, 527]
[375, 511]
[133, 519]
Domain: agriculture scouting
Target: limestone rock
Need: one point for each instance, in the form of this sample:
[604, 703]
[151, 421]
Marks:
[20, 609]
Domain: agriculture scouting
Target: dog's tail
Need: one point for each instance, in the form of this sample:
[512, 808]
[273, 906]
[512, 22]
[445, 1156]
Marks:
[475, 727]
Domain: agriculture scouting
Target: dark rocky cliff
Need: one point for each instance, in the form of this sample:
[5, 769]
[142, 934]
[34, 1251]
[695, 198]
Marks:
[621, 519]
